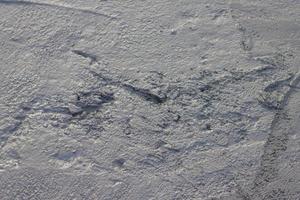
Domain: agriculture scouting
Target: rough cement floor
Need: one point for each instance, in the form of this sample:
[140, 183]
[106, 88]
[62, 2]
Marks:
[150, 99]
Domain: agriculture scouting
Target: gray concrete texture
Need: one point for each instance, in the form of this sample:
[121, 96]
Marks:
[149, 100]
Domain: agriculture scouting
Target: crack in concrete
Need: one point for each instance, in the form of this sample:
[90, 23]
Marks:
[143, 93]
[276, 143]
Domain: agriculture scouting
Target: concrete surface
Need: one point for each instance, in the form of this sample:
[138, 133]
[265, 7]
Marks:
[146, 100]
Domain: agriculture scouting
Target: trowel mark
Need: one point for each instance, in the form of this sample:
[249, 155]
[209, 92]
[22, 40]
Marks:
[19, 117]
[30, 3]
[277, 141]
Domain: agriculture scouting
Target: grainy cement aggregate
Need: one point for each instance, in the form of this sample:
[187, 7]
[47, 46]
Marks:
[149, 100]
